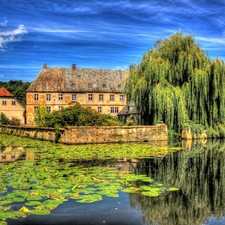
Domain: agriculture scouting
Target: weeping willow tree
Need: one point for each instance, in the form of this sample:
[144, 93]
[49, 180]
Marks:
[177, 83]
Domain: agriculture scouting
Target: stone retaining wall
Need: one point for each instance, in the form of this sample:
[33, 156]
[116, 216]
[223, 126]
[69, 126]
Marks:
[92, 134]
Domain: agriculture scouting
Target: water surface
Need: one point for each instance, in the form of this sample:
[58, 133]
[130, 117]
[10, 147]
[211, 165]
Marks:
[197, 170]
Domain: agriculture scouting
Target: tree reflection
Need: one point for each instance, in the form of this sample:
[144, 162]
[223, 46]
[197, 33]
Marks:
[199, 172]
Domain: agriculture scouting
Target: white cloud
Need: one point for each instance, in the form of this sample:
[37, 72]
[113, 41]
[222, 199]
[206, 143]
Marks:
[11, 35]
[211, 41]
[46, 30]
[124, 67]
[4, 23]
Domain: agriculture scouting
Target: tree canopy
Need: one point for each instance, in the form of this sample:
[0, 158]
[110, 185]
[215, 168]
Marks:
[76, 115]
[177, 83]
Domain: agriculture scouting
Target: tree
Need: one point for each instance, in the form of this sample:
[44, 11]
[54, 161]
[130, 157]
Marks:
[177, 83]
[73, 116]
[40, 115]
[6, 121]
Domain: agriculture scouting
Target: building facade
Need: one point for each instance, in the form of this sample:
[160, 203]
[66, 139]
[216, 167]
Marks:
[99, 89]
[10, 106]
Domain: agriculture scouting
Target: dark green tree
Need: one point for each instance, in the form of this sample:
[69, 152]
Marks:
[177, 83]
[4, 119]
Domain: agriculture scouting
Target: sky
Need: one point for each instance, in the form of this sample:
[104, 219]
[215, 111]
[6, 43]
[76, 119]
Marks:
[104, 34]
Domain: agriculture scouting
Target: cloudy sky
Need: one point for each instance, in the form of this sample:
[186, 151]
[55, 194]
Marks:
[109, 34]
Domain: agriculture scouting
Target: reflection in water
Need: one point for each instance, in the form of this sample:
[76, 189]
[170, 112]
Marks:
[199, 172]
[11, 153]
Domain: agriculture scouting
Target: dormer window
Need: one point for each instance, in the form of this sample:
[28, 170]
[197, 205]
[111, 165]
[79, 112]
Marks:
[73, 85]
[58, 85]
[44, 86]
[122, 98]
[112, 98]
[90, 85]
[104, 86]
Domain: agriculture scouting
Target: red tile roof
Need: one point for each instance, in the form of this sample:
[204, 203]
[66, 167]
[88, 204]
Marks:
[5, 93]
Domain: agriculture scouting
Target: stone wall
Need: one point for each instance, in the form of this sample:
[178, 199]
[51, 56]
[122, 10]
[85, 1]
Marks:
[92, 134]
[47, 134]
[114, 134]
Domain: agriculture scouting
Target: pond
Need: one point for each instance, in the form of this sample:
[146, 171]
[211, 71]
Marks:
[137, 184]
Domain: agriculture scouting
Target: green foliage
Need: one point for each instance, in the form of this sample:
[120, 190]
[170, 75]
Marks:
[6, 121]
[177, 83]
[73, 116]
[40, 115]
[17, 88]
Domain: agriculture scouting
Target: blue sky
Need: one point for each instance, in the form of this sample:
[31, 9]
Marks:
[110, 34]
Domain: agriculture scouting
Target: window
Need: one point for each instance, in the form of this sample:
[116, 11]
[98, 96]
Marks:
[43, 86]
[99, 109]
[48, 97]
[58, 85]
[3, 157]
[60, 97]
[35, 109]
[90, 97]
[13, 157]
[114, 110]
[104, 86]
[121, 98]
[3, 102]
[13, 102]
[90, 85]
[60, 107]
[74, 97]
[35, 97]
[111, 98]
[101, 97]
[73, 85]
[48, 108]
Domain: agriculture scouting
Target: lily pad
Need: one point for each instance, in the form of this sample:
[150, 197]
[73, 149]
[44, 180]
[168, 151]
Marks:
[89, 198]
[33, 203]
[150, 193]
[40, 212]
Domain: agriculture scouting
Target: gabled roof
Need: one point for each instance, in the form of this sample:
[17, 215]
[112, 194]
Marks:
[128, 110]
[79, 80]
[5, 93]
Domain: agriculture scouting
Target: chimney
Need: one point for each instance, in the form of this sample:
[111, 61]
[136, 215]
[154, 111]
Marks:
[74, 67]
[44, 66]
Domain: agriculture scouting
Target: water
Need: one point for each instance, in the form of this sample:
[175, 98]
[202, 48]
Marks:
[198, 172]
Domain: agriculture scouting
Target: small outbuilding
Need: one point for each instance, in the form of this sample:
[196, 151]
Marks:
[129, 114]
[10, 106]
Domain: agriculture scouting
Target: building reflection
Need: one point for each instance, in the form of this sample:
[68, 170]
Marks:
[11, 153]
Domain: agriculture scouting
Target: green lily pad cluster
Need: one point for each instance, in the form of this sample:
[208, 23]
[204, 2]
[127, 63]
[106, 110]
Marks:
[53, 174]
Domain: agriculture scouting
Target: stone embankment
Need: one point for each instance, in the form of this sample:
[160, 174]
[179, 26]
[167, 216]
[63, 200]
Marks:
[92, 134]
